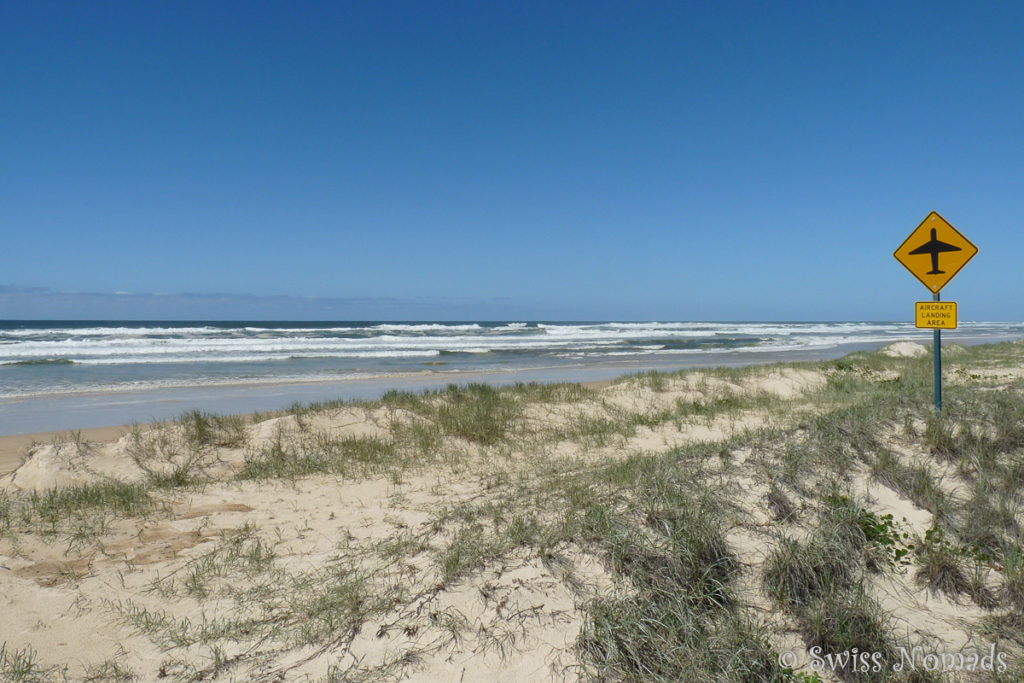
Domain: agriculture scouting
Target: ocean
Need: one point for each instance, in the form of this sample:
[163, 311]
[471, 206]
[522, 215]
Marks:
[122, 360]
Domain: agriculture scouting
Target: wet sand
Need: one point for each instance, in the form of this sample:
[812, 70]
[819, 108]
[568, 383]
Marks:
[31, 415]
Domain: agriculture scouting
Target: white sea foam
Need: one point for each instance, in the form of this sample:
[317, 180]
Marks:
[123, 344]
[426, 327]
[109, 331]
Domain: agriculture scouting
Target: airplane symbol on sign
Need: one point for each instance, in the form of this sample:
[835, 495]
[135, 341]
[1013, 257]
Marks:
[934, 247]
[945, 239]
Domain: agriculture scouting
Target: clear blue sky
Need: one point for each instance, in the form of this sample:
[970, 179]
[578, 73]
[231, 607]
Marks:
[529, 160]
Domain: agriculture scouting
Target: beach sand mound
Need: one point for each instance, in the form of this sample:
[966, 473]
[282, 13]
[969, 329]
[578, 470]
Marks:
[904, 349]
[67, 464]
[788, 383]
[953, 350]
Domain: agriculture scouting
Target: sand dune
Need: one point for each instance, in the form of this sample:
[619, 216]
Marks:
[478, 534]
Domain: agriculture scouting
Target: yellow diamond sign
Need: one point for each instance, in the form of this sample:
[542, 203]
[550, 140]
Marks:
[935, 252]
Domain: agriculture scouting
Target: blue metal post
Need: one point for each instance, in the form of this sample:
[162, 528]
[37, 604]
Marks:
[938, 364]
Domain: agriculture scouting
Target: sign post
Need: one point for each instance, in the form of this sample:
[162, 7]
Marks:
[932, 238]
[937, 351]
[936, 316]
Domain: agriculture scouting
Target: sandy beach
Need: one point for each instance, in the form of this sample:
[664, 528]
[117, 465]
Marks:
[715, 523]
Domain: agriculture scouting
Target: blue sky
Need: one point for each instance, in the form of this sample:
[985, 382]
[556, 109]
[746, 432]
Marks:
[529, 160]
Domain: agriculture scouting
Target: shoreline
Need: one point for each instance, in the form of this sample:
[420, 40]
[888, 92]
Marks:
[48, 398]
[62, 412]
[105, 416]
